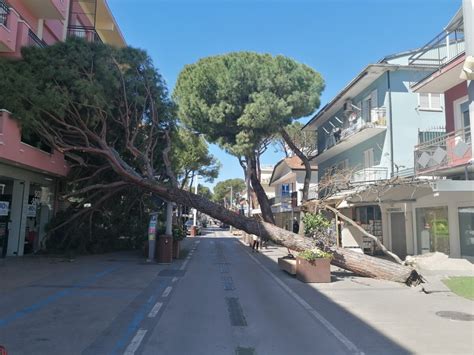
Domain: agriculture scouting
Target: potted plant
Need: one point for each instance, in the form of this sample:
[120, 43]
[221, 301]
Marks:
[313, 265]
[178, 235]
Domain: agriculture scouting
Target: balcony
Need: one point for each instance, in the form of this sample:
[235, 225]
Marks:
[444, 154]
[4, 11]
[47, 9]
[88, 33]
[357, 131]
[8, 28]
[446, 46]
[34, 40]
[16, 152]
[368, 175]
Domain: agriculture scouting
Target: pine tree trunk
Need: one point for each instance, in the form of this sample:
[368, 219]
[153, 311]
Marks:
[358, 263]
[263, 201]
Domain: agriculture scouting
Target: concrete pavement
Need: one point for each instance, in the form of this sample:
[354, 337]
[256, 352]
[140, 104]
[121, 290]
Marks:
[220, 299]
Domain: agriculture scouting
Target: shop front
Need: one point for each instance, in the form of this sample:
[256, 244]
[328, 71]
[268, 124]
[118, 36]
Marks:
[26, 206]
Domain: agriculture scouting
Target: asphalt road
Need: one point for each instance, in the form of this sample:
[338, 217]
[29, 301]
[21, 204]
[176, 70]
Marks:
[220, 299]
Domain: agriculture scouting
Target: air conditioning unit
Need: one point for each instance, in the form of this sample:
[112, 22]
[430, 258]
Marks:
[348, 106]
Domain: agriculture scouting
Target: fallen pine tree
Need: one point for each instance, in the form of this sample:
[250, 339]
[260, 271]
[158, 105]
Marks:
[90, 100]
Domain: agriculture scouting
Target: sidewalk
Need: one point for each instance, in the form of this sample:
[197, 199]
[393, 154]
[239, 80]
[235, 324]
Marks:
[406, 315]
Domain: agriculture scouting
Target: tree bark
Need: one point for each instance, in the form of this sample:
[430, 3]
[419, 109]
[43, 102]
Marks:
[360, 264]
[263, 201]
[304, 159]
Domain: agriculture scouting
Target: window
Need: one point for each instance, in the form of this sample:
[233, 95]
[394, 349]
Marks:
[368, 158]
[430, 102]
[432, 227]
[344, 164]
[466, 230]
[369, 104]
[285, 190]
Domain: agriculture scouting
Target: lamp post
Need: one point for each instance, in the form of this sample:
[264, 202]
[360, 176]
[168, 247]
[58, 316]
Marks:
[195, 210]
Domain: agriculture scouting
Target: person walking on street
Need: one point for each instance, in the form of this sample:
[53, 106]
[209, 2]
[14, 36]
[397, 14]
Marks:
[296, 226]
[256, 243]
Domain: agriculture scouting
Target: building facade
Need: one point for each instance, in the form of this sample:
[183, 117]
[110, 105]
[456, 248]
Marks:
[30, 173]
[287, 181]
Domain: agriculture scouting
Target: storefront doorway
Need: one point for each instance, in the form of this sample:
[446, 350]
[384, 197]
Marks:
[398, 234]
[6, 191]
[466, 231]
[432, 229]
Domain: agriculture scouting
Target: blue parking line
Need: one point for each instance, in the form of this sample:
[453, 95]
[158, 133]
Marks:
[138, 318]
[54, 297]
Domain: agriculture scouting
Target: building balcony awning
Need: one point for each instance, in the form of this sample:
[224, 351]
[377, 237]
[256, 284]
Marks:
[406, 191]
[348, 142]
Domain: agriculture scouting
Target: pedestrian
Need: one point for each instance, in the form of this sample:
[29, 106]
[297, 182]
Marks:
[256, 243]
[296, 226]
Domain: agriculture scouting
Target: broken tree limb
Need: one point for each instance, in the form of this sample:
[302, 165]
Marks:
[363, 231]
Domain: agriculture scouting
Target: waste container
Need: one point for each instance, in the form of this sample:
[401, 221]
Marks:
[164, 250]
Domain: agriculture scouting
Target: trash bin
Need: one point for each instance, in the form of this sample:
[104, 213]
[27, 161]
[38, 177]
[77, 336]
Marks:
[164, 250]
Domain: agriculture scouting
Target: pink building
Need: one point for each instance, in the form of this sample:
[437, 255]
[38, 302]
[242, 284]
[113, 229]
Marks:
[449, 154]
[30, 173]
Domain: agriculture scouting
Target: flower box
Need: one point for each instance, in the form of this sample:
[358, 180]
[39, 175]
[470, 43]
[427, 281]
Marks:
[318, 270]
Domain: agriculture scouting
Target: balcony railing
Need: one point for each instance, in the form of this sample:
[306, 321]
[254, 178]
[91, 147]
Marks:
[34, 40]
[87, 33]
[4, 12]
[377, 119]
[369, 175]
[447, 151]
[440, 50]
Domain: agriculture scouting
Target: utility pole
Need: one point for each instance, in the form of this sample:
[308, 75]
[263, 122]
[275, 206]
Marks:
[195, 210]
[231, 201]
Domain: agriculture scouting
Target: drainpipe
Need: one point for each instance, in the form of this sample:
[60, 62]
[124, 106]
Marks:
[390, 120]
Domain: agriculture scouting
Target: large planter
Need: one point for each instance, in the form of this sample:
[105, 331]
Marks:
[176, 248]
[287, 264]
[318, 270]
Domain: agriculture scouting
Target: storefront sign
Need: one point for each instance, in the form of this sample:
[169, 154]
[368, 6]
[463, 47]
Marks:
[152, 227]
[4, 208]
[31, 210]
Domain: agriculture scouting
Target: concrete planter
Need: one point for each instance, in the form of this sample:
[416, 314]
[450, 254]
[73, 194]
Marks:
[318, 270]
[288, 265]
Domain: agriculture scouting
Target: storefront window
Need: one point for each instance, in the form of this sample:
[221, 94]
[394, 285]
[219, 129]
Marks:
[432, 227]
[466, 230]
[39, 212]
[6, 187]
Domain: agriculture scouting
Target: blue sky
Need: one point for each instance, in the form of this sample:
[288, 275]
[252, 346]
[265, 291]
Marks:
[338, 38]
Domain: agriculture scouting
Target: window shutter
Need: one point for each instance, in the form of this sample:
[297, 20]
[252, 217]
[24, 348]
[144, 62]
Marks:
[435, 101]
[374, 105]
[424, 100]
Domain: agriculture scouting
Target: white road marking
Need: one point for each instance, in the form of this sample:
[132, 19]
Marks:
[154, 311]
[135, 343]
[167, 291]
[174, 279]
[184, 265]
[341, 337]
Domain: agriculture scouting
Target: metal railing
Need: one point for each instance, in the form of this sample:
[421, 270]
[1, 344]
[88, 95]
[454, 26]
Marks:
[88, 33]
[377, 119]
[446, 151]
[35, 41]
[440, 50]
[370, 174]
[4, 12]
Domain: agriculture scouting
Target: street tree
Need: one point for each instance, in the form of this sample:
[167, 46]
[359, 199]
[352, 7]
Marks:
[191, 157]
[222, 190]
[73, 93]
[240, 100]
